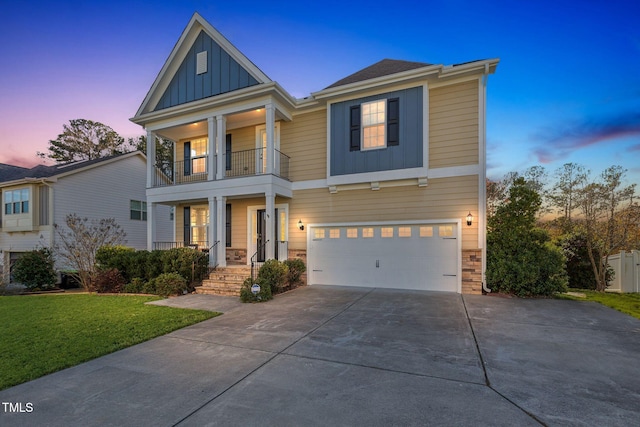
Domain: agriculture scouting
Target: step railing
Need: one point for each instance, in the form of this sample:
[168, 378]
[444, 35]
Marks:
[255, 265]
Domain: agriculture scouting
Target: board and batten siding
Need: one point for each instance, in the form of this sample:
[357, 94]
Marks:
[453, 125]
[304, 140]
[443, 198]
[223, 74]
[105, 191]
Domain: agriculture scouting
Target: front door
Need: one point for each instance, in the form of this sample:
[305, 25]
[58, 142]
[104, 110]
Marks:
[261, 234]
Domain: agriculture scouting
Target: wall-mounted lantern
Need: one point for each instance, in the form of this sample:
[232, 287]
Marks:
[300, 225]
[469, 219]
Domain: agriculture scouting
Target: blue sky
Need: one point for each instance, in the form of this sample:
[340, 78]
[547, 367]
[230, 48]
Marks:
[567, 88]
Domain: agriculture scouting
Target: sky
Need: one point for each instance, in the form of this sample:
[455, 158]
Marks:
[567, 88]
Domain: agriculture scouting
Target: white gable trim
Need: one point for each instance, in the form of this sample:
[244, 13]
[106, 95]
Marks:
[179, 52]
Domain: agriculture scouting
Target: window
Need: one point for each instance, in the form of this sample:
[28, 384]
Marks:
[199, 223]
[138, 210]
[334, 233]
[375, 124]
[426, 231]
[404, 231]
[318, 233]
[16, 202]
[386, 232]
[195, 156]
[352, 233]
[445, 231]
[367, 233]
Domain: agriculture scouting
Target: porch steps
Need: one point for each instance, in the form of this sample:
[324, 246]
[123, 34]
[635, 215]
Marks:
[225, 281]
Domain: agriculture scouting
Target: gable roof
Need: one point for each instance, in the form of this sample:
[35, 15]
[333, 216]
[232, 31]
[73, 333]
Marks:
[379, 69]
[9, 172]
[199, 32]
[44, 171]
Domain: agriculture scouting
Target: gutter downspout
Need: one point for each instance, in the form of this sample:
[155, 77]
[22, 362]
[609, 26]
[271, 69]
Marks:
[483, 177]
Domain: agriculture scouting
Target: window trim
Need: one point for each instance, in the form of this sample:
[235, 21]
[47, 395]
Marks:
[384, 102]
[142, 211]
[22, 205]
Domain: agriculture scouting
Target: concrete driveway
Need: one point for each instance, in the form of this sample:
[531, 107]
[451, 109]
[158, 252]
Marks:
[364, 357]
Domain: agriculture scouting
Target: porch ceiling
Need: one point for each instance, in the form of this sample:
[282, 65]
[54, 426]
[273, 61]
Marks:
[234, 121]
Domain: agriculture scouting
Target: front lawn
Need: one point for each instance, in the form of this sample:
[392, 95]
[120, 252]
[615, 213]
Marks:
[42, 334]
[626, 303]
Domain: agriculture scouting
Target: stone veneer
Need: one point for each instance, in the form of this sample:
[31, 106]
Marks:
[236, 256]
[472, 271]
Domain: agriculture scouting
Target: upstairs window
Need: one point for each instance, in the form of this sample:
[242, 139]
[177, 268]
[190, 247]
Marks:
[374, 124]
[16, 202]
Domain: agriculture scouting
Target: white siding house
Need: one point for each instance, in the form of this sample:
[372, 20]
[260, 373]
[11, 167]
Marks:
[33, 200]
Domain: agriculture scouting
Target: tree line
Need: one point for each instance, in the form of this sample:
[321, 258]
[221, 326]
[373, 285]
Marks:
[583, 218]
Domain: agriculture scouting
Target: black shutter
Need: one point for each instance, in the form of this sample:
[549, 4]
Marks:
[187, 159]
[187, 225]
[355, 128]
[228, 151]
[393, 119]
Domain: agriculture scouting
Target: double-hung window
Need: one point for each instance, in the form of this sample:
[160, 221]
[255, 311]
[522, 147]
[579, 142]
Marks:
[16, 201]
[138, 210]
[195, 156]
[374, 124]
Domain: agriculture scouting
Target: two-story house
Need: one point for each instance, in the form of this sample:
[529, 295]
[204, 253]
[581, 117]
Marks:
[35, 199]
[377, 180]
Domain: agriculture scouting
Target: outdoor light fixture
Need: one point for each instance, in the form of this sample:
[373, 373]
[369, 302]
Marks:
[300, 224]
[469, 218]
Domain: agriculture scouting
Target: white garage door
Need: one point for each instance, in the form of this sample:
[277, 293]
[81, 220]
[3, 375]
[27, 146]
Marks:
[401, 256]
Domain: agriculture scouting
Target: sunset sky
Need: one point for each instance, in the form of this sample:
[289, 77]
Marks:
[567, 88]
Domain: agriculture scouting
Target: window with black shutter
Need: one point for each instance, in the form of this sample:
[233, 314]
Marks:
[228, 151]
[187, 158]
[355, 128]
[393, 119]
[187, 225]
[228, 225]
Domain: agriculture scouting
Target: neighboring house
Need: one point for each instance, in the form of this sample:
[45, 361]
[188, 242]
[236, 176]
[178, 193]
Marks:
[35, 199]
[369, 180]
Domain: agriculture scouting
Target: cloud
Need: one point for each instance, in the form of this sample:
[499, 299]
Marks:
[557, 143]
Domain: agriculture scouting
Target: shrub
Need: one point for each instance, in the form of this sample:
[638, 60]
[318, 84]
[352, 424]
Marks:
[149, 287]
[136, 286]
[108, 281]
[35, 269]
[296, 269]
[247, 296]
[520, 258]
[189, 263]
[168, 284]
[274, 273]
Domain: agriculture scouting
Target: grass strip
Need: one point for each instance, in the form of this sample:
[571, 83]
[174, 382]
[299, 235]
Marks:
[42, 334]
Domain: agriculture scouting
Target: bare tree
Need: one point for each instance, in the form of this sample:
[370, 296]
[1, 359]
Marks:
[78, 243]
[608, 215]
[570, 178]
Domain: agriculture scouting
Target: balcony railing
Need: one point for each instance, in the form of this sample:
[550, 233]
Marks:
[237, 164]
[182, 172]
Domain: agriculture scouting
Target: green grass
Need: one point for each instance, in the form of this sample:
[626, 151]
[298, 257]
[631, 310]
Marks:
[42, 334]
[626, 303]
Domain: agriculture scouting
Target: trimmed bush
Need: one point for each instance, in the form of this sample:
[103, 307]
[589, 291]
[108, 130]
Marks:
[191, 264]
[168, 284]
[136, 286]
[296, 269]
[264, 295]
[108, 281]
[35, 270]
[274, 273]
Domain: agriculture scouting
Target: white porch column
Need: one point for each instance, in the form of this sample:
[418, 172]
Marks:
[212, 232]
[211, 159]
[221, 129]
[270, 124]
[221, 228]
[151, 224]
[270, 226]
[151, 158]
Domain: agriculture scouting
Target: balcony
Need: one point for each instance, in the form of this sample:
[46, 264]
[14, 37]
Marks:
[238, 164]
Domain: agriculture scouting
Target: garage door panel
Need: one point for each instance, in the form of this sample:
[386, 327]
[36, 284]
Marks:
[415, 256]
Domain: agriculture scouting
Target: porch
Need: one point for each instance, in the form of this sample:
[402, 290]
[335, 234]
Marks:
[238, 164]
